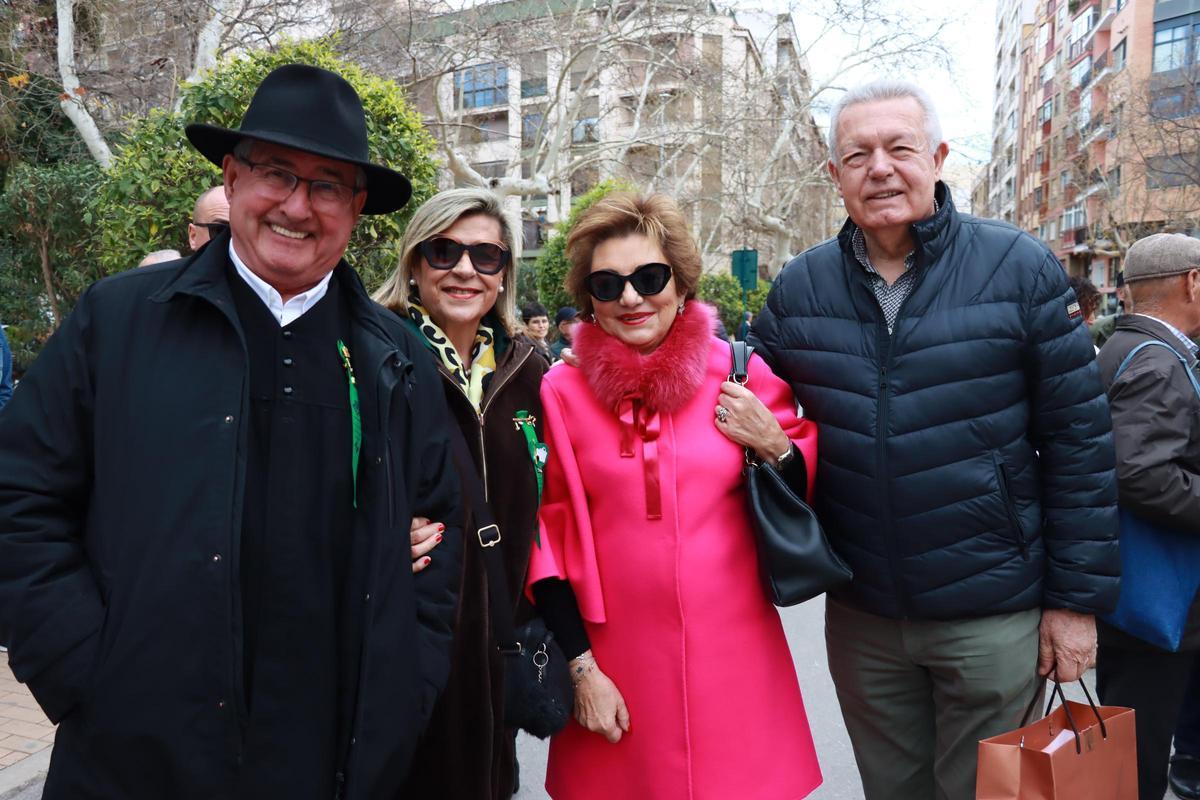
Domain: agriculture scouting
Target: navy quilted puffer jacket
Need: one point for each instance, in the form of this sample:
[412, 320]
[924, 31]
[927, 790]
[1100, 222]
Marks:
[965, 460]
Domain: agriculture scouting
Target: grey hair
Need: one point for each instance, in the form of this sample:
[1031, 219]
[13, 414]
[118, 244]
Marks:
[245, 148]
[886, 89]
[436, 215]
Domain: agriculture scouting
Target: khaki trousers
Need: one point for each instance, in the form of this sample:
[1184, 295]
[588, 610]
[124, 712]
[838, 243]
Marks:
[918, 695]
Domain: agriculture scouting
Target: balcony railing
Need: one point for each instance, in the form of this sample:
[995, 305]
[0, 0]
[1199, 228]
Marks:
[1079, 48]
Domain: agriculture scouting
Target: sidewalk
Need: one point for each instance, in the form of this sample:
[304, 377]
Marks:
[24, 729]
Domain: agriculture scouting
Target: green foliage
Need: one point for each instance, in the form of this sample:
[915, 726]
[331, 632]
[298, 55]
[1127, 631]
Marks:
[156, 175]
[33, 127]
[723, 291]
[44, 212]
[552, 265]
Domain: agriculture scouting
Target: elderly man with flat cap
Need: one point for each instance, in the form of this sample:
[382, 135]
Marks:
[1149, 366]
[206, 488]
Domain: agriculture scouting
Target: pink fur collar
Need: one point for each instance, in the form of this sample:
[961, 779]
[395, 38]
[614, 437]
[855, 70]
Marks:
[664, 379]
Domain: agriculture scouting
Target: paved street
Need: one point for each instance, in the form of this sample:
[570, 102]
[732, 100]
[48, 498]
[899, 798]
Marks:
[24, 729]
[805, 632]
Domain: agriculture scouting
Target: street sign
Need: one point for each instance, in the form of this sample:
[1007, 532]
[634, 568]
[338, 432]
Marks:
[745, 268]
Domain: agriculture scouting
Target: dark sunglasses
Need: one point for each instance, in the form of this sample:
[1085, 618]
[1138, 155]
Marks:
[214, 229]
[648, 279]
[442, 252]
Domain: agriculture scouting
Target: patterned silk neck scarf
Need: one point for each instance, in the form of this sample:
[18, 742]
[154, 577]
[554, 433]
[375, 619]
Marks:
[483, 354]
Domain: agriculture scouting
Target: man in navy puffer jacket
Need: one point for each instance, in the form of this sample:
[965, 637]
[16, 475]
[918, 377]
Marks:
[965, 460]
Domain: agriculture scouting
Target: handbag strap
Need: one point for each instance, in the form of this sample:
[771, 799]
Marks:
[739, 371]
[487, 534]
[1152, 342]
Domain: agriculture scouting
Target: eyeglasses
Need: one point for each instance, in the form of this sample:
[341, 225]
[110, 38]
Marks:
[649, 279]
[214, 229]
[442, 252]
[276, 183]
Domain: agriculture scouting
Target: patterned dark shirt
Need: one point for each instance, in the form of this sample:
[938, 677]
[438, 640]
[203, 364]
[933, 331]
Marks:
[890, 297]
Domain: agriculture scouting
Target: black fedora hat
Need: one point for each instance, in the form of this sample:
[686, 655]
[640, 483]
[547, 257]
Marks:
[313, 110]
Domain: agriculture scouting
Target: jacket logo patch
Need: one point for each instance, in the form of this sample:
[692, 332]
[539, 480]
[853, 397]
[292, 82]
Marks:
[1074, 311]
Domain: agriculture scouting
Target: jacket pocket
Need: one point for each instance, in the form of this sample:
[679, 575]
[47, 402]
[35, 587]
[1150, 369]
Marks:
[1010, 507]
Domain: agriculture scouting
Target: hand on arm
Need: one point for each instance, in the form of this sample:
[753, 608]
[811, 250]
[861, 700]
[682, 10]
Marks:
[599, 706]
[424, 536]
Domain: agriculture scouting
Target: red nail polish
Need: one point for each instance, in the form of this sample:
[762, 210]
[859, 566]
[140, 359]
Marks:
[441, 527]
[427, 560]
[437, 538]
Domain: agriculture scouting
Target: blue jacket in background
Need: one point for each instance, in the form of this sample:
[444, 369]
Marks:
[965, 461]
[6, 369]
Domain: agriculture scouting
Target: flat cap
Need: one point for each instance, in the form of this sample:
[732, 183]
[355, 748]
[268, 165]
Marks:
[1161, 255]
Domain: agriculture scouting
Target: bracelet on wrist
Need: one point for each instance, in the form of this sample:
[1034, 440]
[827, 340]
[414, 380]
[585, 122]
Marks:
[580, 667]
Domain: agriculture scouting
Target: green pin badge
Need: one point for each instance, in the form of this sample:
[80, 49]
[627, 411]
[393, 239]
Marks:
[538, 453]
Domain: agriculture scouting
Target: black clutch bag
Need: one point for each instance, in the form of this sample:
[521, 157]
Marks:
[794, 556]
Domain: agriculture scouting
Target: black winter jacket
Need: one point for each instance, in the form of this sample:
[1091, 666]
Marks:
[122, 459]
[966, 460]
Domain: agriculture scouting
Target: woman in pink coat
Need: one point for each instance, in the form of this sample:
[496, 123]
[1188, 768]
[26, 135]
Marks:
[645, 567]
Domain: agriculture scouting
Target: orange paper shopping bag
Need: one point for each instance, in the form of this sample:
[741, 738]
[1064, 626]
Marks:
[1076, 751]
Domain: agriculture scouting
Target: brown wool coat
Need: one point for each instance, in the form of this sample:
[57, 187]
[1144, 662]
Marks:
[466, 754]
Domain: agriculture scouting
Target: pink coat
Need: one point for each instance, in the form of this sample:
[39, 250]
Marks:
[673, 605]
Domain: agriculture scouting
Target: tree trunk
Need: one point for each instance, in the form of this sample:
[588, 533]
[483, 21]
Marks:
[208, 44]
[48, 278]
[72, 97]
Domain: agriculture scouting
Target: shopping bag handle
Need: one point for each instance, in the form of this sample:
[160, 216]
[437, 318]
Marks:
[1057, 690]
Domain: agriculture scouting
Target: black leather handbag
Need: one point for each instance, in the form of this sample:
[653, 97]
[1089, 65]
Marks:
[794, 556]
[538, 694]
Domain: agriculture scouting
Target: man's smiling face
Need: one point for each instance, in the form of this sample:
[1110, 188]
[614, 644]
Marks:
[886, 167]
[287, 242]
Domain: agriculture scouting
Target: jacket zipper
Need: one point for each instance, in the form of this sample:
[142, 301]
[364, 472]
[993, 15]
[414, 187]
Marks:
[1009, 506]
[885, 340]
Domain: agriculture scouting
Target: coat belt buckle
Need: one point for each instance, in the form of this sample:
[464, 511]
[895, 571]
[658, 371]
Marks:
[489, 535]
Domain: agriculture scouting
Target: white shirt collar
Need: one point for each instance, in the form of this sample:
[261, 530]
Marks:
[284, 313]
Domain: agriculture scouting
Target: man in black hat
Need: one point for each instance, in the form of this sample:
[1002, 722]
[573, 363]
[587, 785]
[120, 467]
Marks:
[206, 485]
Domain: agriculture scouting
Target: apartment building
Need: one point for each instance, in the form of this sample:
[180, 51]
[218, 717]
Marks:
[545, 99]
[1109, 127]
[1000, 177]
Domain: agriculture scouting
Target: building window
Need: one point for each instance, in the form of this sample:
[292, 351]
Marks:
[481, 85]
[1064, 179]
[1081, 72]
[1177, 169]
[489, 128]
[531, 127]
[1174, 102]
[1074, 217]
[533, 74]
[1118, 56]
[1171, 47]
[1046, 112]
[587, 126]
[1039, 156]
[1038, 196]
[1047, 74]
[1114, 182]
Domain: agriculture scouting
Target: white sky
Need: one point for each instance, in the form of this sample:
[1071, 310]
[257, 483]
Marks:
[963, 94]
